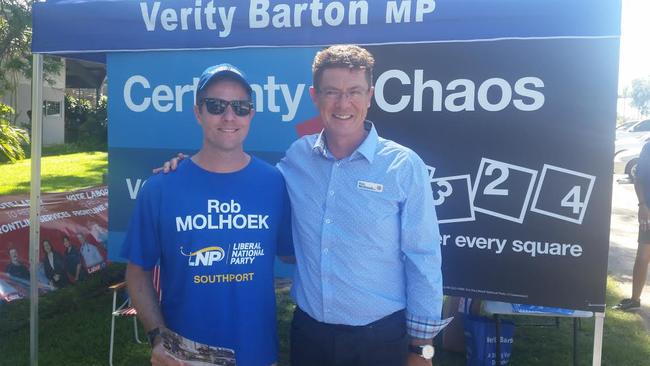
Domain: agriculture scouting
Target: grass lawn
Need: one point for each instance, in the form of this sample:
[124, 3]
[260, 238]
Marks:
[75, 324]
[59, 173]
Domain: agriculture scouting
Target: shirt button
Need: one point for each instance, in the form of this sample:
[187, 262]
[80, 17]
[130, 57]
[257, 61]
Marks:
[325, 251]
[331, 193]
[328, 221]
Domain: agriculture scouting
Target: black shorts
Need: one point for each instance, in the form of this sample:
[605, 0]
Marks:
[644, 237]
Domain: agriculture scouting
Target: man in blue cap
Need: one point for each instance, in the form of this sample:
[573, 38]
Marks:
[215, 228]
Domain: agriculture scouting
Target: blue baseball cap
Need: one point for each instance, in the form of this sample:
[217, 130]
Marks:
[219, 72]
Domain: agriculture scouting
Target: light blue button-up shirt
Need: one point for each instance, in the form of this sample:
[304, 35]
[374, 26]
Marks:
[366, 234]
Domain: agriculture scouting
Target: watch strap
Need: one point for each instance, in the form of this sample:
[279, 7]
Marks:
[152, 334]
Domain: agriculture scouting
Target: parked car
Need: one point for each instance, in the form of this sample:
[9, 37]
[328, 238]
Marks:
[625, 125]
[625, 161]
[629, 142]
[632, 137]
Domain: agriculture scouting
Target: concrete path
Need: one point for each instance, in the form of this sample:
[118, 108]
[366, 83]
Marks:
[623, 242]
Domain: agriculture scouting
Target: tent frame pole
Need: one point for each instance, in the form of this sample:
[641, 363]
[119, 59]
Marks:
[35, 202]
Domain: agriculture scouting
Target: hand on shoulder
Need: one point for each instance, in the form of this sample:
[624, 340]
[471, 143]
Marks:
[171, 164]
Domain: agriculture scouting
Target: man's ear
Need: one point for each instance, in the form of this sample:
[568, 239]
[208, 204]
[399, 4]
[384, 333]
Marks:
[197, 114]
[312, 93]
[371, 92]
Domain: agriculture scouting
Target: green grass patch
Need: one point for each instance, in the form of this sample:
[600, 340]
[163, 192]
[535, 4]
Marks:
[75, 324]
[59, 173]
[625, 341]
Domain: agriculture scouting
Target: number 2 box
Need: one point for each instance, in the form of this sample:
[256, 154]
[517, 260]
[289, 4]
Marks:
[503, 190]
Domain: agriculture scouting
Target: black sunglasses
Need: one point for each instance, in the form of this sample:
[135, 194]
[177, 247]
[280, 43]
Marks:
[217, 106]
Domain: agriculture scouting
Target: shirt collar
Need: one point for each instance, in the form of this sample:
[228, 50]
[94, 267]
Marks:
[366, 149]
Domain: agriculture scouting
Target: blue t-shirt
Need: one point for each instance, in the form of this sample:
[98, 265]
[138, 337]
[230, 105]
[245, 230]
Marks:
[216, 236]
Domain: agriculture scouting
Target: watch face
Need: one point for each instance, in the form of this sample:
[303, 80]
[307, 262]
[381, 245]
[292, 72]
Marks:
[427, 352]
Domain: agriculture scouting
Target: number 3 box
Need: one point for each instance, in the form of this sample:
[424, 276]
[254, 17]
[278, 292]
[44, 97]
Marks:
[452, 198]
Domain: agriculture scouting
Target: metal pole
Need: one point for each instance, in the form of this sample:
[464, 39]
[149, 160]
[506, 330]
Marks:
[35, 203]
[575, 341]
[598, 338]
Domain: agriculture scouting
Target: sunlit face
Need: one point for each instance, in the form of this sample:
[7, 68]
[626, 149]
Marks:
[342, 101]
[226, 131]
[13, 255]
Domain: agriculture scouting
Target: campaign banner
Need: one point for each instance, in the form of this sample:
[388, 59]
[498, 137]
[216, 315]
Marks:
[87, 26]
[519, 138]
[73, 239]
[517, 134]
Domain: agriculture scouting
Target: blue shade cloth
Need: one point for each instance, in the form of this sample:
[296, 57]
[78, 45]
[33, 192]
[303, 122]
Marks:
[366, 235]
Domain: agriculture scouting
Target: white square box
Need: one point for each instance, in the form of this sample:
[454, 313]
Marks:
[443, 189]
[569, 199]
[486, 170]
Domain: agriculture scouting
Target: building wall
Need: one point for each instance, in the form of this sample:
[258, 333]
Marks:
[53, 97]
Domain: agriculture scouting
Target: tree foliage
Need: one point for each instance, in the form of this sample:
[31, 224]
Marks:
[640, 93]
[16, 60]
[86, 124]
[12, 138]
[15, 43]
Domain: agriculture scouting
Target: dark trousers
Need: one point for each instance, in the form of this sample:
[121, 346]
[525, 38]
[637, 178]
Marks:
[381, 343]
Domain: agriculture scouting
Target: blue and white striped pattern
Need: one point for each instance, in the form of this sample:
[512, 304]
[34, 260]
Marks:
[365, 232]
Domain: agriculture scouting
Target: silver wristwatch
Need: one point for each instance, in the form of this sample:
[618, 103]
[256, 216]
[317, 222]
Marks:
[427, 351]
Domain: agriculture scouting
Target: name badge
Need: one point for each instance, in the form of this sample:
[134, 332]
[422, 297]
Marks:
[370, 186]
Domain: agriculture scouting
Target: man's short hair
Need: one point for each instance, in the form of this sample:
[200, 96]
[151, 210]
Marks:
[345, 56]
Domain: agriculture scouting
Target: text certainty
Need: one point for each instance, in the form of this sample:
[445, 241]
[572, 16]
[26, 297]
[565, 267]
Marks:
[204, 15]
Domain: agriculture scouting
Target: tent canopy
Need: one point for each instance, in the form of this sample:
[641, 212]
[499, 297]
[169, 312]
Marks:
[91, 28]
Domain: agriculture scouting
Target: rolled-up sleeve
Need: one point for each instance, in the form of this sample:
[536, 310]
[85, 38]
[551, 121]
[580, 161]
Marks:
[420, 245]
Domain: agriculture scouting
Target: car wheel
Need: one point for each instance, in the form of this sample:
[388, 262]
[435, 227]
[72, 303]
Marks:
[631, 168]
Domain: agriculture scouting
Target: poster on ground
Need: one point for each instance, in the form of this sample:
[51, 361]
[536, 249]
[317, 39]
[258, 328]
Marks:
[73, 234]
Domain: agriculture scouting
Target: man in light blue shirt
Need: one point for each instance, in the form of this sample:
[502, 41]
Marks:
[365, 230]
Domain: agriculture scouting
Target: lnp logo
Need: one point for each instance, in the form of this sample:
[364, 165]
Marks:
[205, 257]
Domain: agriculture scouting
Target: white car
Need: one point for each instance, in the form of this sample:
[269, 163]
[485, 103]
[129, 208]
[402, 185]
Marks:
[625, 125]
[628, 138]
[625, 161]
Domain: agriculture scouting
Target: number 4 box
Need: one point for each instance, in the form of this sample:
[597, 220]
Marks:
[563, 194]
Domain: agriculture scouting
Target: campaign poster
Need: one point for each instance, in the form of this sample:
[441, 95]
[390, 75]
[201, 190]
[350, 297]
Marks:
[73, 240]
